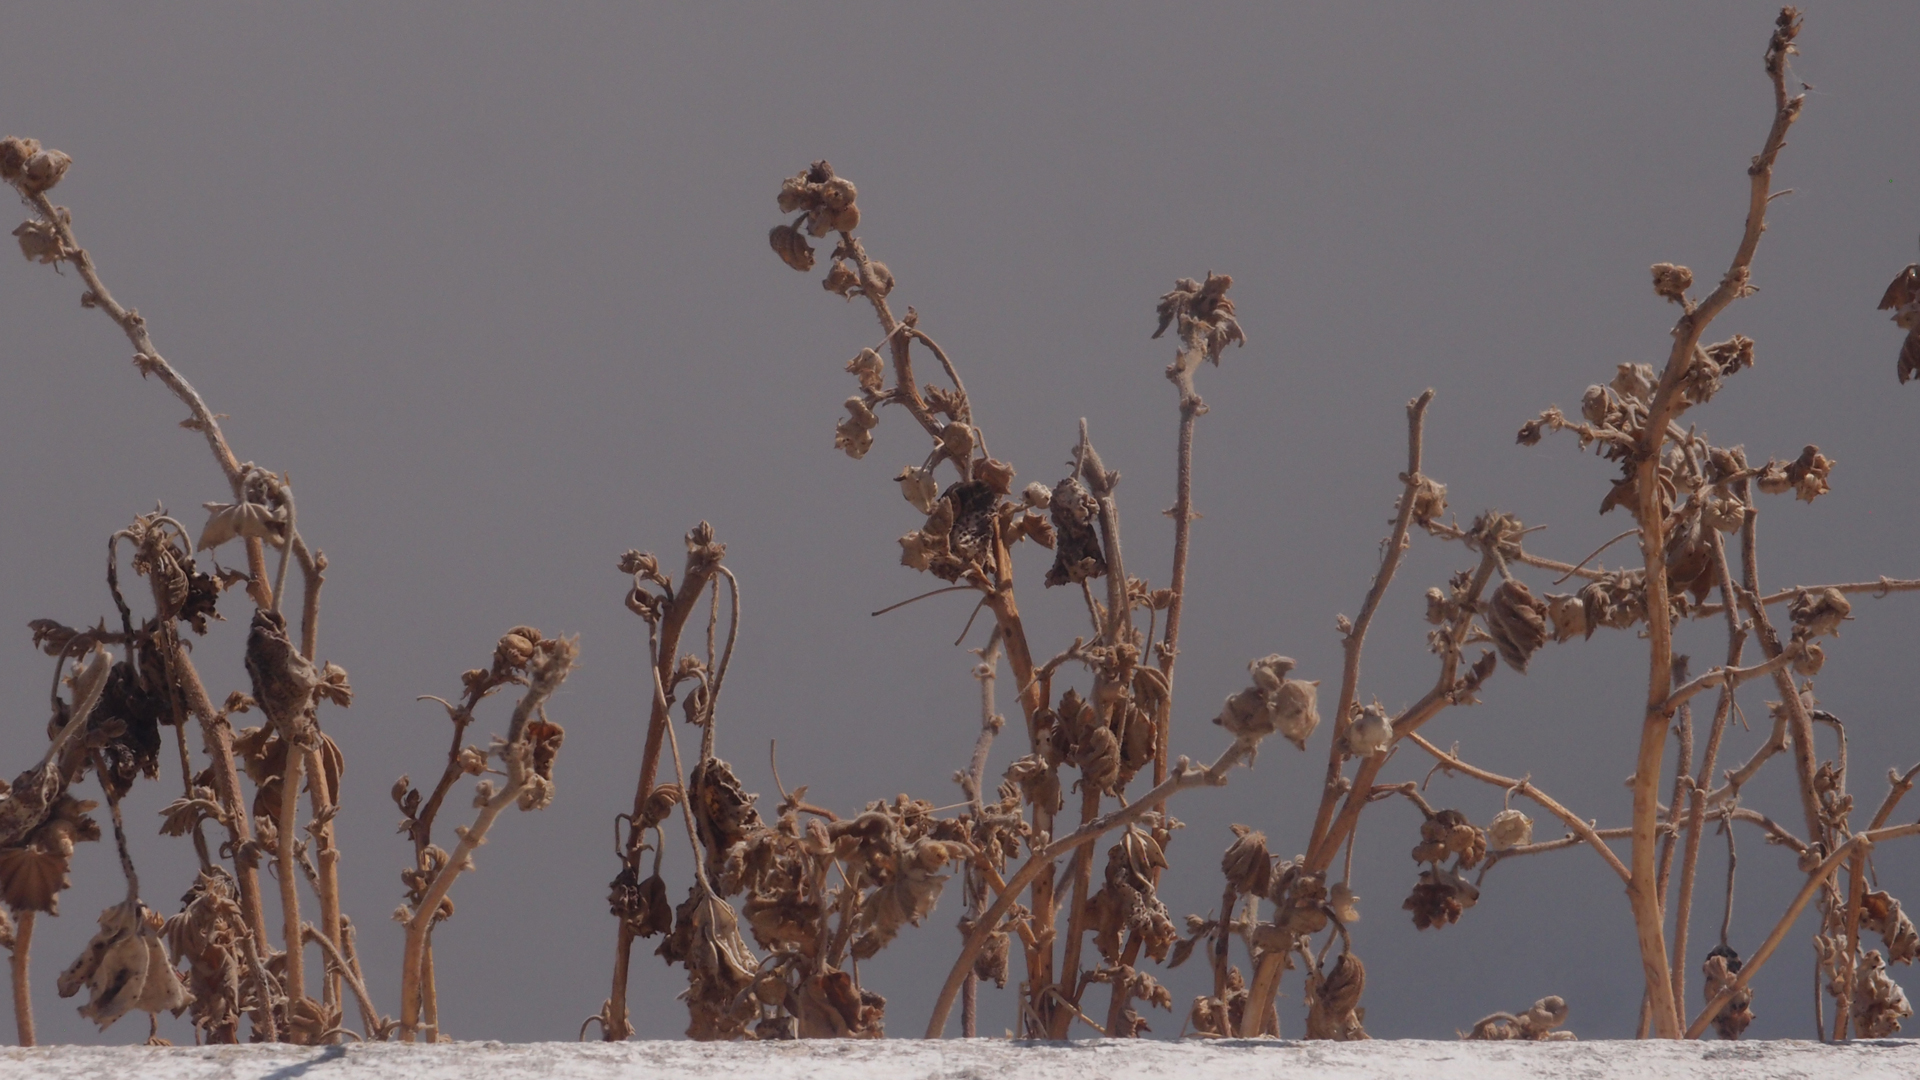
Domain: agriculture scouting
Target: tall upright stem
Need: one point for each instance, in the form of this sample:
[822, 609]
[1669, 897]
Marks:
[17, 961]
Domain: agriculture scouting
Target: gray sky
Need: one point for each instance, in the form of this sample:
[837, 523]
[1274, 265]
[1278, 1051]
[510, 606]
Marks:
[491, 283]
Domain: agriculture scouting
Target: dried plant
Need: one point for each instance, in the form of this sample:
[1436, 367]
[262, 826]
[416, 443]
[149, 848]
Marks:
[113, 726]
[781, 904]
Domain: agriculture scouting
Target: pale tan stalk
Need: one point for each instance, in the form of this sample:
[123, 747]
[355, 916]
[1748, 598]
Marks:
[990, 724]
[1815, 880]
[699, 573]
[542, 685]
[1642, 891]
[18, 959]
[296, 984]
[327, 859]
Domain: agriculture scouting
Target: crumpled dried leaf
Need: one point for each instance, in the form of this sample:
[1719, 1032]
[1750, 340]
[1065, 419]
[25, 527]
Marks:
[1879, 1004]
[1881, 913]
[1077, 555]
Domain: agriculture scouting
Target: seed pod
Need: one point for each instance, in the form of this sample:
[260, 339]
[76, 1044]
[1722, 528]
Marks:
[1370, 732]
[1295, 710]
[1247, 866]
[1517, 622]
[1429, 500]
[1569, 615]
[1509, 828]
[1819, 613]
[1672, 282]
[792, 247]
[14, 152]
[43, 171]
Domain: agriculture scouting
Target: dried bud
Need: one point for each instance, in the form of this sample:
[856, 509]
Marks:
[1509, 828]
[1036, 495]
[840, 280]
[855, 434]
[1672, 282]
[14, 153]
[1439, 608]
[1247, 866]
[1370, 733]
[869, 370]
[43, 171]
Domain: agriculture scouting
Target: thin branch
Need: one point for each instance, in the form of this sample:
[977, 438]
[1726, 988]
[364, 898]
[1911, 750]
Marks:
[1355, 638]
[1582, 828]
[1815, 880]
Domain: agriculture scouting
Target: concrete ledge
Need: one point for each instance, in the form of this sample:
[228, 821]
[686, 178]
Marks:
[977, 1059]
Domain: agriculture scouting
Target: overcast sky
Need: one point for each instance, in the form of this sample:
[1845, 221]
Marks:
[491, 283]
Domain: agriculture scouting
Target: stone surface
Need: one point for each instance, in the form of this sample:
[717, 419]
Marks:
[978, 1059]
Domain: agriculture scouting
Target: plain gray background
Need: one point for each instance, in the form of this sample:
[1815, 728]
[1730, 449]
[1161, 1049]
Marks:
[491, 283]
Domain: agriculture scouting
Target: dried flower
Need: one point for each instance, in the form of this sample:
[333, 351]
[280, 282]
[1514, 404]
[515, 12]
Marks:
[124, 967]
[1721, 965]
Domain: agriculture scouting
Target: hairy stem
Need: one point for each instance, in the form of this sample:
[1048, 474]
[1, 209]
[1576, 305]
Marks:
[17, 960]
